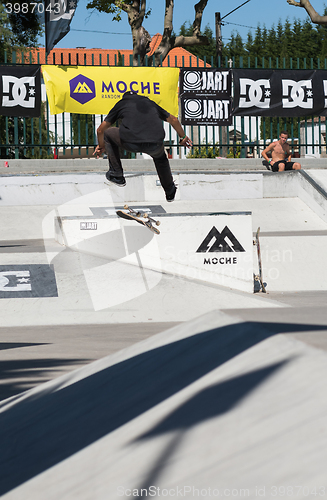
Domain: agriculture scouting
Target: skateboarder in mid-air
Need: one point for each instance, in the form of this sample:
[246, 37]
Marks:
[280, 155]
[141, 130]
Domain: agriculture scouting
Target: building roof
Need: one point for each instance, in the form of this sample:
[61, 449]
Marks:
[177, 57]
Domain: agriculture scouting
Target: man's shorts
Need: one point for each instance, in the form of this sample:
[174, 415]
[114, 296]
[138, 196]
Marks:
[288, 165]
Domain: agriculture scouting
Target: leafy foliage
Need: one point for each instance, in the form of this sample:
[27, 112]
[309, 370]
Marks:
[29, 131]
[271, 127]
[204, 151]
[113, 7]
[296, 45]
[295, 42]
[83, 127]
[18, 30]
[200, 51]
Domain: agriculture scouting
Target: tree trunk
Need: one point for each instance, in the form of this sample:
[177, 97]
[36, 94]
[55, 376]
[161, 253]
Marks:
[314, 16]
[141, 45]
[169, 42]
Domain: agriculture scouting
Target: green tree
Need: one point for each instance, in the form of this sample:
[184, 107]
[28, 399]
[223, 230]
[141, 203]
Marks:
[287, 41]
[234, 49]
[31, 134]
[271, 43]
[257, 47]
[322, 37]
[83, 129]
[297, 31]
[200, 51]
[271, 127]
[136, 11]
[25, 26]
[296, 41]
[18, 30]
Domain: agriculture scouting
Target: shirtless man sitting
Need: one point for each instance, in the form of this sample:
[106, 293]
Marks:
[280, 155]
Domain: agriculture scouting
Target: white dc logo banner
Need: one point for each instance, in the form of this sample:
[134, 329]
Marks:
[283, 93]
[325, 92]
[20, 91]
[297, 94]
[254, 93]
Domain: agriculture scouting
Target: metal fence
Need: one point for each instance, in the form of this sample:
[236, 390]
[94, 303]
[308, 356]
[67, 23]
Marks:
[70, 136]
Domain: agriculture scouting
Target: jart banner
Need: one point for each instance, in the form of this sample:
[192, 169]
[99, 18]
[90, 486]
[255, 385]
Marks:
[205, 96]
[95, 89]
[20, 91]
[280, 92]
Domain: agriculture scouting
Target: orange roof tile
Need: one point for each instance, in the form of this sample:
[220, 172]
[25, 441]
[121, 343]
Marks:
[177, 57]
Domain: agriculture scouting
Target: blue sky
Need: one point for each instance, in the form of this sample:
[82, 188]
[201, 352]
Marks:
[94, 30]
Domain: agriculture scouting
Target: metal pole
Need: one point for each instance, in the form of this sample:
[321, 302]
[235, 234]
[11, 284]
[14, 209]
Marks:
[223, 130]
[218, 38]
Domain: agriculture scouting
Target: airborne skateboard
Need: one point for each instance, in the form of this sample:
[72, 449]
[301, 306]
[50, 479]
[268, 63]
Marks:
[259, 278]
[141, 218]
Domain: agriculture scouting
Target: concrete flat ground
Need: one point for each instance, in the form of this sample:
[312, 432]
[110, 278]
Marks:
[189, 385]
[42, 338]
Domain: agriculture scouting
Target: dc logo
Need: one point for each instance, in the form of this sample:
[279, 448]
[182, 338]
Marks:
[325, 91]
[62, 10]
[297, 94]
[18, 91]
[13, 281]
[192, 109]
[192, 80]
[254, 93]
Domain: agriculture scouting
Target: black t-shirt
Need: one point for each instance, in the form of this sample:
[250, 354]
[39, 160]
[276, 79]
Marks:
[141, 119]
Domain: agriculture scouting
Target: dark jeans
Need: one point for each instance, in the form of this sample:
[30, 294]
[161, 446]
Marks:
[112, 144]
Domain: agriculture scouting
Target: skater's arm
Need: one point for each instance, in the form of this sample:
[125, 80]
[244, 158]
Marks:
[270, 148]
[288, 152]
[175, 123]
[100, 133]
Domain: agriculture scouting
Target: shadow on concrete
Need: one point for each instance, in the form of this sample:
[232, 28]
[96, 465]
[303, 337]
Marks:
[208, 403]
[17, 376]
[22, 246]
[46, 428]
[16, 345]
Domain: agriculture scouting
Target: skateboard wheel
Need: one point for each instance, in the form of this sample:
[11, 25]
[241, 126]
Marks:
[138, 214]
[157, 222]
[126, 207]
[145, 216]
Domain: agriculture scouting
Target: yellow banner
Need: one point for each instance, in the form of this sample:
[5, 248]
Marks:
[96, 89]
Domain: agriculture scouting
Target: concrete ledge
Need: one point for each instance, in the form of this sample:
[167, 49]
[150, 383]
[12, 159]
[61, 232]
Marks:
[183, 249]
[57, 188]
[93, 165]
[52, 189]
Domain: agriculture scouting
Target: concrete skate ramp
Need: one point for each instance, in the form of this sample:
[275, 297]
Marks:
[293, 241]
[184, 409]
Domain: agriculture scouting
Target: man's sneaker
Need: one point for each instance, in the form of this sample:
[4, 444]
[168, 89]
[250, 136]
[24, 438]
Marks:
[119, 181]
[171, 196]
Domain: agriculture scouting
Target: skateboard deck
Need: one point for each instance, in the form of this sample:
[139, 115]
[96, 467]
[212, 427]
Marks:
[141, 218]
[260, 276]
